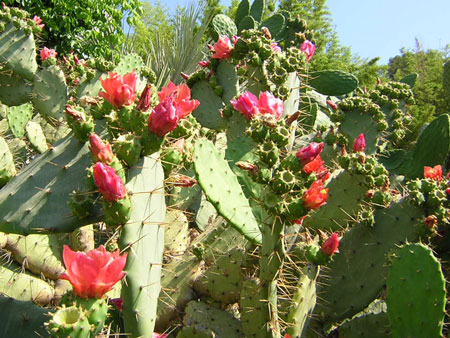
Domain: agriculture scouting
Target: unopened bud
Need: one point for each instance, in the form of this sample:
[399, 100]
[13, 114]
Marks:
[77, 115]
[183, 181]
[250, 167]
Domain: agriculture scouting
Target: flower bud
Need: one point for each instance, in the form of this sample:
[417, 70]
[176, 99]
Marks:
[331, 245]
[360, 143]
[108, 183]
[101, 151]
[183, 181]
[309, 153]
[332, 105]
[75, 114]
[164, 118]
[308, 48]
[145, 99]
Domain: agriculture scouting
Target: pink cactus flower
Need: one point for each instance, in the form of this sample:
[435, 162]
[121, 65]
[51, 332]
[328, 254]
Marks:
[331, 245]
[275, 47]
[119, 91]
[308, 48]
[181, 96]
[269, 104]
[360, 144]
[247, 104]
[164, 118]
[38, 21]
[100, 151]
[94, 273]
[47, 53]
[309, 153]
[434, 173]
[108, 183]
[222, 48]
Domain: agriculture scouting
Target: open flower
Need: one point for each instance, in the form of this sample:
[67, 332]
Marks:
[119, 91]
[164, 118]
[269, 104]
[94, 273]
[247, 104]
[434, 173]
[38, 21]
[222, 48]
[315, 196]
[309, 153]
[181, 96]
[275, 47]
[108, 183]
[308, 48]
[47, 53]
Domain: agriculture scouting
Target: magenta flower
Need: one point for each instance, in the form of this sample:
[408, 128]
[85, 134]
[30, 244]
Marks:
[269, 104]
[309, 153]
[247, 104]
[47, 53]
[360, 144]
[275, 47]
[308, 48]
[108, 183]
[331, 245]
[222, 48]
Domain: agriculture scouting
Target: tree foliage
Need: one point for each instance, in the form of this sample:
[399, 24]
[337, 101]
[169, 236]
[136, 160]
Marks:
[88, 27]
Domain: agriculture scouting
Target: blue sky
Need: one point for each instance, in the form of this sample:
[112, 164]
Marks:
[382, 27]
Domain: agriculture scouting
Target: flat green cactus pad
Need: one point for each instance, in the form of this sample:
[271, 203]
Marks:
[367, 326]
[223, 190]
[14, 90]
[207, 113]
[18, 118]
[333, 82]
[415, 293]
[37, 199]
[356, 275]
[223, 25]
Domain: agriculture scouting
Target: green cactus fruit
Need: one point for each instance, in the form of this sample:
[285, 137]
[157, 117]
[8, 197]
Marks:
[223, 25]
[69, 322]
[357, 274]
[128, 148]
[143, 238]
[18, 51]
[415, 293]
[269, 153]
[50, 93]
[36, 137]
[257, 9]
[117, 212]
[18, 117]
[7, 167]
[303, 302]
[23, 319]
[176, 233]
[204, 320]
[96, 311]
[14, 90]
[46, 184]
[283, 181]
[333, 82]
[207, 113]
[275, 24]
[247, 22]
[242, 11]
[435, 137]
[41, 254]
[222, 189]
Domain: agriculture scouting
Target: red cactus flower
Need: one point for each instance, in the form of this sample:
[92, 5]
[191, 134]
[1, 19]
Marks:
[434, 173]
[360, 143]
[309, 153]
[308, 48]
[315, 196]
[38, 21]
[316, 166]
[247, 104]
[145, 99]
[119, 91]
[331, 245]
[101, 151]
[222, 48]
[181, 96]
[269, 104]
[94, 273]
[164, 118]
[108, 183]
[47, 53]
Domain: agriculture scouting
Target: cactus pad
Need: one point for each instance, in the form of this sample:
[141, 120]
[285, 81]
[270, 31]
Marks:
[18, 117]
[333, 82]
[415, 293]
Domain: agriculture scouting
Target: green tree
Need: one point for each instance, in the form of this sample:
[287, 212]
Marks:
[431, 100]
[88, 27]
